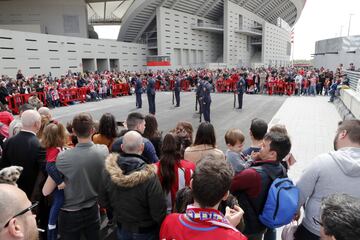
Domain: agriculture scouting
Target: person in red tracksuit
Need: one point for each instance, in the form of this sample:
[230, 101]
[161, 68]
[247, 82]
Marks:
[202, 220]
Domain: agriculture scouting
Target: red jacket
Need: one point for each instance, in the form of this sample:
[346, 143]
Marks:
[179, 227]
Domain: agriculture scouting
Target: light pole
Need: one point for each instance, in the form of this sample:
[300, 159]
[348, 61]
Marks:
[350, 16]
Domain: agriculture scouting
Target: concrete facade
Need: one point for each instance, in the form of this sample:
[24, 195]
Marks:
[35, 53]
[186, 47]
[329, 53]
[65, 17]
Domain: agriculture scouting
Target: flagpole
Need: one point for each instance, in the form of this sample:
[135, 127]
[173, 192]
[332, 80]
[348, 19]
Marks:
[293, 48]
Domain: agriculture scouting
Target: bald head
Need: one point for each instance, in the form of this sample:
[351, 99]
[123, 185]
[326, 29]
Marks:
[44, 111]
[11, 201]
[31, 120]
[133, 143]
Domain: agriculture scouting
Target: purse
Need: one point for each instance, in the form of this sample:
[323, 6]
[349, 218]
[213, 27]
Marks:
[289, 231]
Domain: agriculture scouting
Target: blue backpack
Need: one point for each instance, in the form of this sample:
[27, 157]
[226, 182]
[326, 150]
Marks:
[282, 202]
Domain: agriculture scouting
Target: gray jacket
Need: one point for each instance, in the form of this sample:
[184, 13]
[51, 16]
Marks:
[82, 168]
[334, 172]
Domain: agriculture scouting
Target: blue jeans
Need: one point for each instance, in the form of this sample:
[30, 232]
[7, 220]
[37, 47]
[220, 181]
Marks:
[58, 201]
[125, 235]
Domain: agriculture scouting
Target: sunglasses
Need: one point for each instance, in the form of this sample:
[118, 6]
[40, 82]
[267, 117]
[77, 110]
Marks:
[317, 222]
[34, 205]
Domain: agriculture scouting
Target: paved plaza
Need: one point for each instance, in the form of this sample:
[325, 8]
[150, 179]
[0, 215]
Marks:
[311, 121]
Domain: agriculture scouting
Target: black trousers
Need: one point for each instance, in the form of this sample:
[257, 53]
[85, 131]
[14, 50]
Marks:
[206, 111]
[177, 98]
[303, 234]
[73, 225]
[151, 101]
[240, 99]
[138, 100]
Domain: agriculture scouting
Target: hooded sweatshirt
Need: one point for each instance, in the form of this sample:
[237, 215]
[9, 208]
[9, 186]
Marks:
[330, 173]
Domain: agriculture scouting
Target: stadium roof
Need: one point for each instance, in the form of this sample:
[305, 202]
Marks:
[103, 12]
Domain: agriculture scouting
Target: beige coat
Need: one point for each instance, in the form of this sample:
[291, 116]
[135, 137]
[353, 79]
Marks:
[195, 153]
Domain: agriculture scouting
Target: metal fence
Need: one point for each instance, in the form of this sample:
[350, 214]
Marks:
[354, 78]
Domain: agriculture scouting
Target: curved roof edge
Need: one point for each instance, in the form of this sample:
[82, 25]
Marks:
[142, 12]
[299, 4]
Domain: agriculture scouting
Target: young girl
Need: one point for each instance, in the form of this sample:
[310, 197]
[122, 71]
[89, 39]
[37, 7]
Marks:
[54, 139]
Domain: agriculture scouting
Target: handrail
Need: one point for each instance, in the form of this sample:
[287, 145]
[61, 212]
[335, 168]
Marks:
[208, 25]
[354, 78]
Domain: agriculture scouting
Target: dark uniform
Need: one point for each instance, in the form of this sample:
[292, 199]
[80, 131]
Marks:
[240, 87]
[150, 90]
[138, 92]
[177, 89]
[207, 89]
[200, 93]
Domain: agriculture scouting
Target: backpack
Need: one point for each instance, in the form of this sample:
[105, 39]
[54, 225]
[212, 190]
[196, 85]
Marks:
[282, 202]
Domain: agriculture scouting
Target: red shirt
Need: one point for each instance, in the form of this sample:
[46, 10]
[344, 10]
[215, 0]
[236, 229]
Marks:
[51, 154]
[179, 227]
[6, 118]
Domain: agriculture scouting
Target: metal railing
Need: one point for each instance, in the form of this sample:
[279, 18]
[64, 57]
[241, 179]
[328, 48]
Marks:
[107, 20]
[249, 30]
[256, 41]
[208, 25]
[354, 78]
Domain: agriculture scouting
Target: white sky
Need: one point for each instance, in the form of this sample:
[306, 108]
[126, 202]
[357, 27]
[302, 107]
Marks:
[320, 19]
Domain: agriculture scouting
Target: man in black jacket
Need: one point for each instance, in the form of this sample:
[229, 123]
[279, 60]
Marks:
[133, 191]
[24, 150]
[136, 122]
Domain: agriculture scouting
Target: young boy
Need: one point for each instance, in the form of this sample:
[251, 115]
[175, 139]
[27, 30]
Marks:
[234, 140]
[202, 220]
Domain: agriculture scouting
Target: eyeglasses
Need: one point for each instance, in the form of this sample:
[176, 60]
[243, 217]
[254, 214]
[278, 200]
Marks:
[317, 222]
[34, 205]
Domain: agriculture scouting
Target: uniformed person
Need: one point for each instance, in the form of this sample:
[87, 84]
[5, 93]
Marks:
[177, 89]
[199, 94]
[138, 91]
[206, 101]
[240, 89]
[150, 90]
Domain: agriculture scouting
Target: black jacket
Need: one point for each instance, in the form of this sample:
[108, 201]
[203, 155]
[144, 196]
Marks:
[133, 191]
[3, 94]
[24, 150]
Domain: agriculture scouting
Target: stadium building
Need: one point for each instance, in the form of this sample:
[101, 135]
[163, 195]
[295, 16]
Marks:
[41, 36]
[329, 53]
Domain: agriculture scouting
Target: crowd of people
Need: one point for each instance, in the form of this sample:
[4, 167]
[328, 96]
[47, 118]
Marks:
[100, 85]
[173, 185]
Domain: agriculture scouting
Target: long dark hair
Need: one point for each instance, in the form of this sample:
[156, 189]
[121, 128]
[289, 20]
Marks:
[205, 135]
[108, 126]
[170, 155]
[151, 127]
